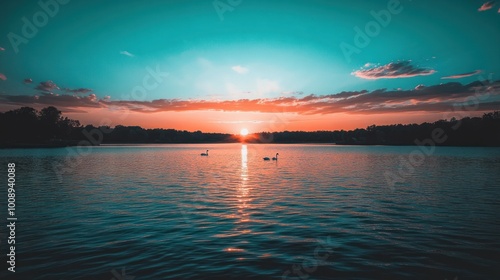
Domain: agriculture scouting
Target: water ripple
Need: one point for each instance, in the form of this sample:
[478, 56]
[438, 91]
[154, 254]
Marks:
[321, 212]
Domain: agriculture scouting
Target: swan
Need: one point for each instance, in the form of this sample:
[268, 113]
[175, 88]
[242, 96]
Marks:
[204, 154]
[274, 158]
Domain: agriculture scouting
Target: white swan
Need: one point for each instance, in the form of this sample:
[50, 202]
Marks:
[204, 154]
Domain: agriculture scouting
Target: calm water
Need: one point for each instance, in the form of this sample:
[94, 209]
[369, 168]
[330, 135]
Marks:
[319, 212]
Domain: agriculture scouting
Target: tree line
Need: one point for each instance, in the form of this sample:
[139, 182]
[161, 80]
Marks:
[475, 131]
[25, 127]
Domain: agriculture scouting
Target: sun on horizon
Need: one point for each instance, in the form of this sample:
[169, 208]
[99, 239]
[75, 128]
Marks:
[244, 132]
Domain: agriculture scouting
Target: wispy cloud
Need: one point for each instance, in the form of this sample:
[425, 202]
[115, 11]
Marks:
[239, 69]
[393, 70]
[2, 49]
[2, 77]
[463, 75]
[436, 98]
[78, 90]
[127, 53]
[50, 86]
[419, 87]
[292, 93]
[486, 6]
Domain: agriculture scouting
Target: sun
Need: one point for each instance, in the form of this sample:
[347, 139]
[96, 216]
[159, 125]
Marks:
[244, 132]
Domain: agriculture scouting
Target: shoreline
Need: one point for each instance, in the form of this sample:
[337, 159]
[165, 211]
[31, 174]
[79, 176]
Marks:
[65, 145]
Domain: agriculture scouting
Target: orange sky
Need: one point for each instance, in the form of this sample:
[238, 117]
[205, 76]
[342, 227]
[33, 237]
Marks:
[233, 122]
[344, 110]
[301, 65]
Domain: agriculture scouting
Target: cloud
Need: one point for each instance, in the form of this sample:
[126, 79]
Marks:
[239, 69]
[2, 49]
[63, 101]
[78, 90]
[50, 86]
[463, 75]
[47, 86]
[400, 69]
[127, 53]
[2, 77]
[291, 93]
[434, 98]
[486, 6]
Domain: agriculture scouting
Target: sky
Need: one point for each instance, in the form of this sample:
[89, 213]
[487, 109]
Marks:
[224, 65]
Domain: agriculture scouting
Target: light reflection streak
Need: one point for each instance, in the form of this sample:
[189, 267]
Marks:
[243, 189]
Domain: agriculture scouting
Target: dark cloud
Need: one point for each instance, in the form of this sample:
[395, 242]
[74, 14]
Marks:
[393, 70]
[63, 101]
[50, 86]
[424, 98]
[347, 94]
[47, 86]
[78, 90]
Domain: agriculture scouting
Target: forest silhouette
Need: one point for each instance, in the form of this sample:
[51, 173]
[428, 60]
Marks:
[27, 127]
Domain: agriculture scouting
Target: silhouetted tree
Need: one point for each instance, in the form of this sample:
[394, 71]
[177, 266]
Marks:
[27, 125]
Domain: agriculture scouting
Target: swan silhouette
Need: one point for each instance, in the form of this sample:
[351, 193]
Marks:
[274, 158]
[204, 154]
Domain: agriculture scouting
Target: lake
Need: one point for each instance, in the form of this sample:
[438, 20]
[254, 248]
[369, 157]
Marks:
[319, 212]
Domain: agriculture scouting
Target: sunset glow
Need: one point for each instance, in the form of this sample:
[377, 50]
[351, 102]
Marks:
[306, 69]
[256, 139]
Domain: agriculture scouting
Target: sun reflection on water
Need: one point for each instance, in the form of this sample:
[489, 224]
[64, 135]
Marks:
[243, 189]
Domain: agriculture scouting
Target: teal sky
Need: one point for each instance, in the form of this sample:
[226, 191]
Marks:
[256, 49]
